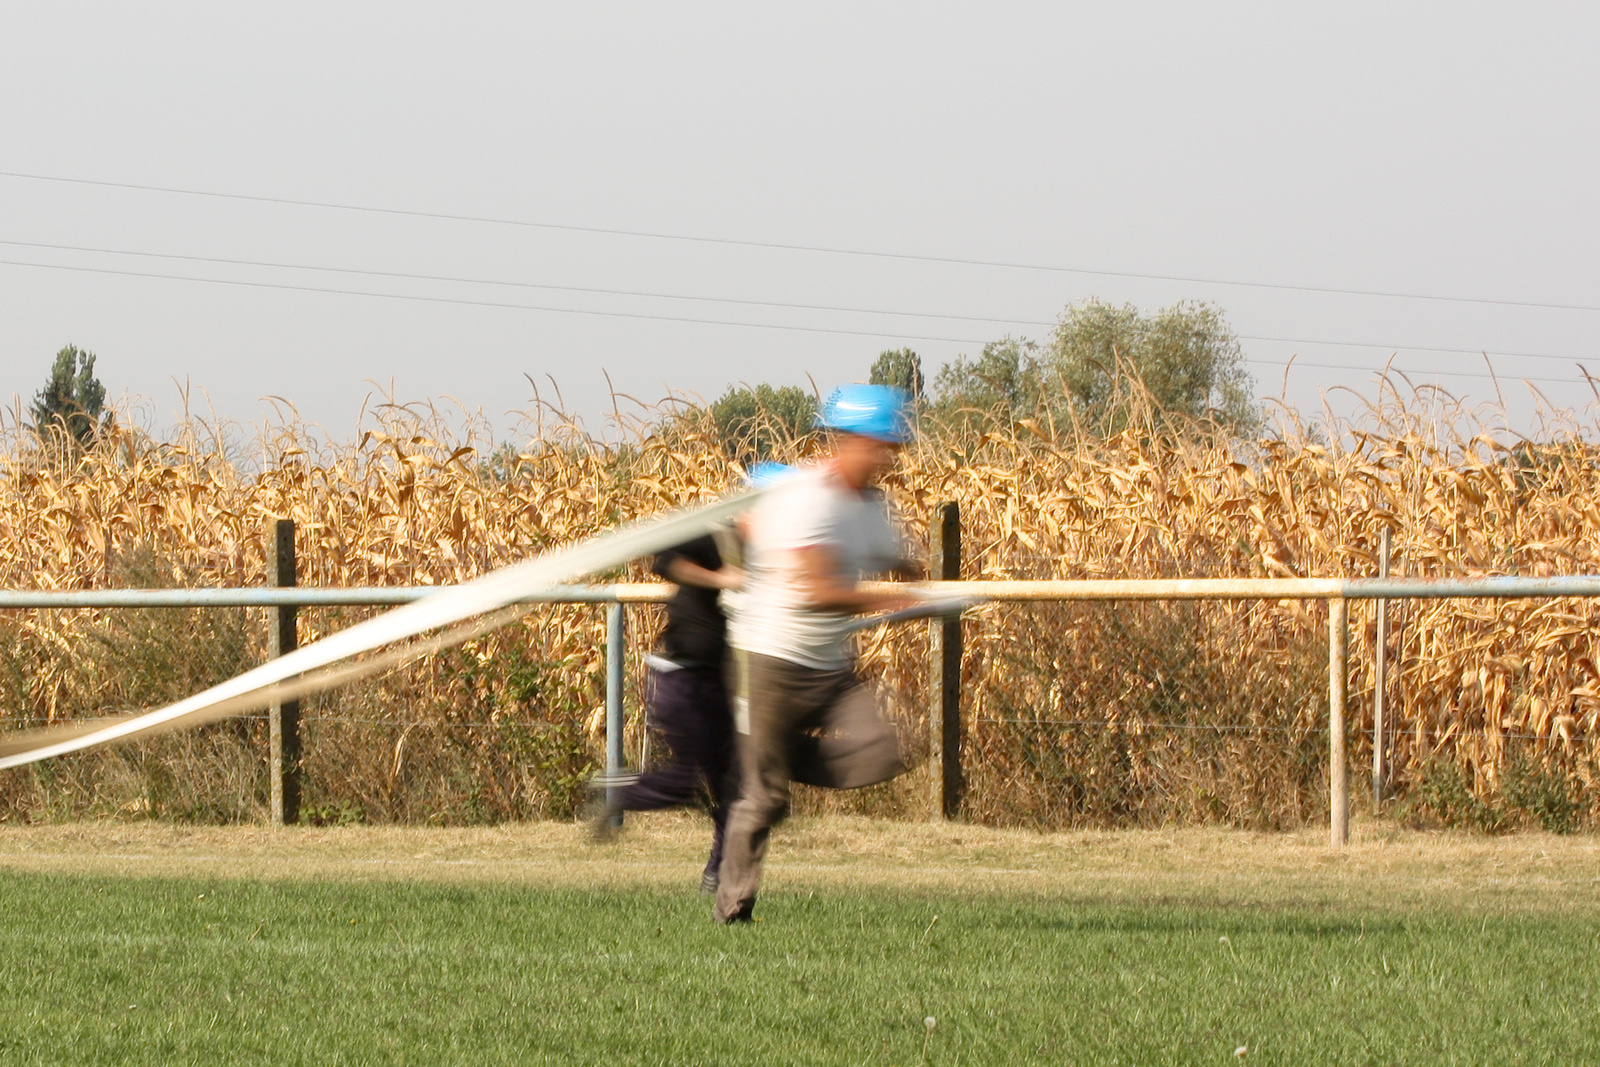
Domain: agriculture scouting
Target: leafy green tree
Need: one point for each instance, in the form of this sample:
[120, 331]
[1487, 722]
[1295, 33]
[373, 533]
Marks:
[71, 406]
[754, 422]
[1185, 357]
[1005, 380]
[1106, 367]
[900, 367]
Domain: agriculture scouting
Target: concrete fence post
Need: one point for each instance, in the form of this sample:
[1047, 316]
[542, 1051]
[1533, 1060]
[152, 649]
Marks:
[1380, 683]
[1338, 769]
[283, 718]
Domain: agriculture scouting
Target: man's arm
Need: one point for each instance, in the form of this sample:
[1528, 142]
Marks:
[825, 592]
[687, 572]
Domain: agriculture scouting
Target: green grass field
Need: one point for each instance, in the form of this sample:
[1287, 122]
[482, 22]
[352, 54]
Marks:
[511, 947]
[105, 969]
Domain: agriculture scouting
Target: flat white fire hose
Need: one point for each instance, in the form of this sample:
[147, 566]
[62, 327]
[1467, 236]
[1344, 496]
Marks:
[460, 612]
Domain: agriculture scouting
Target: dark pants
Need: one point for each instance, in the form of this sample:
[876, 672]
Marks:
[817, 727]
[690, 716]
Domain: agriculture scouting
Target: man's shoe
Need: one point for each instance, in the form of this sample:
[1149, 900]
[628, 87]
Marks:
[745, 914]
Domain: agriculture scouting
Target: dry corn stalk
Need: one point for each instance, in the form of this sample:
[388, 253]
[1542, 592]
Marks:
[418, 501]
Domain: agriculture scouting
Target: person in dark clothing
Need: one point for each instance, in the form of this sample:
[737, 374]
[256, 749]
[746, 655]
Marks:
[688, 708]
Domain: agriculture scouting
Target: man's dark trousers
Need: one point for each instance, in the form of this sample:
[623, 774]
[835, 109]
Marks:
[689, 713]
[822, 728]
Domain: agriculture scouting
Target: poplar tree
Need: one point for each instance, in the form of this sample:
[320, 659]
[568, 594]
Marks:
[71, 406]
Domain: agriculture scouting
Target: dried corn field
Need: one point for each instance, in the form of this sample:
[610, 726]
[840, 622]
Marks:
[1107, 714]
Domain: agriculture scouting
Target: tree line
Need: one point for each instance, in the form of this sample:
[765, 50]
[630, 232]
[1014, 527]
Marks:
[1101, 369]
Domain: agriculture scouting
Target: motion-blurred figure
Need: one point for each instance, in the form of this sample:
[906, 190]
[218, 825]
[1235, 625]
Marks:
[688, 711]
[807, 717]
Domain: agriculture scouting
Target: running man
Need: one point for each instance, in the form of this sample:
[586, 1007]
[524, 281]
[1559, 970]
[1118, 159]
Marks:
[810, 719]
[688, 709]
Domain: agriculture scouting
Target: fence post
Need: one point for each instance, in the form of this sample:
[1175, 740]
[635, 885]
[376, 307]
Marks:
[945, 652]
[616, 668]
[1380, 733]
[1338, 772]
[284, 718]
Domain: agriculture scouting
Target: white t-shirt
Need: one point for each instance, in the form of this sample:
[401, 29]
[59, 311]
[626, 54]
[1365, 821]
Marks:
[814, 508]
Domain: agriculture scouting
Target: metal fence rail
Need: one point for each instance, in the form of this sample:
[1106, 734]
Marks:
[945, 716]
[1495, 587]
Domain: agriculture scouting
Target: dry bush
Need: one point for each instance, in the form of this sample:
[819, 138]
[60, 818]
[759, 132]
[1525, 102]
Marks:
[1078, 714]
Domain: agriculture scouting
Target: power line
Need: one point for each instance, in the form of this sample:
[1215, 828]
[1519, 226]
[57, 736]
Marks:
[1409, 348]
[519, 285]
[699, 321]
[456, 279]
[786, 247]
[482, 303]
[1423, 373]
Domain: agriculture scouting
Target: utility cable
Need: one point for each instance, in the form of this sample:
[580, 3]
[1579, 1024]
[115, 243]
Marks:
[787, 247]
[457, 279]
[704, 321]
[482, 303]
[519, 285]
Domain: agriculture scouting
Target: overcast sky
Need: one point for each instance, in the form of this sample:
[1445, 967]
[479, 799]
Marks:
[1438, 149]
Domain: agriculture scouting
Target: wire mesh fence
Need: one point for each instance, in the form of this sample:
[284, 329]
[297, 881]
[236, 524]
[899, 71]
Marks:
[506, 726]
[60, 666]
[1076, 714]
[1145, 712]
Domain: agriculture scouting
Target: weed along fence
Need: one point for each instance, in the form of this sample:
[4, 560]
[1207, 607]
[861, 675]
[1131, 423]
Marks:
[952, 727]
[1115, 683]
[1337, 593]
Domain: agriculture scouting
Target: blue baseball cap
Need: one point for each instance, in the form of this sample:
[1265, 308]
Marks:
[882, 412]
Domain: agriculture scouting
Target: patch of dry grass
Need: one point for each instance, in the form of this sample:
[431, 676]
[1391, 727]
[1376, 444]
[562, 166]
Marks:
[1383, 869]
